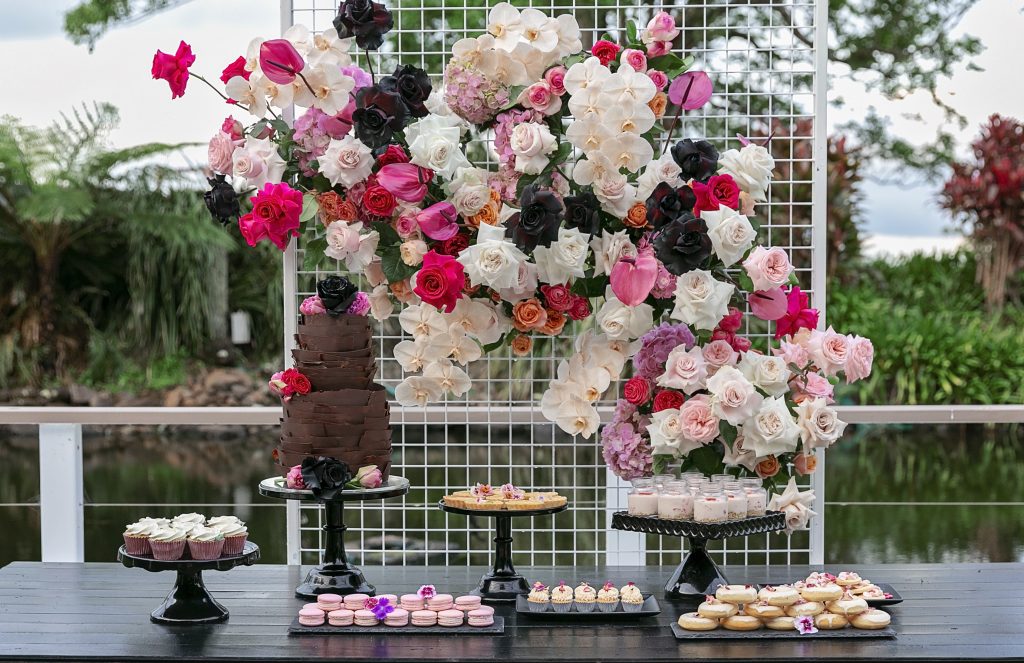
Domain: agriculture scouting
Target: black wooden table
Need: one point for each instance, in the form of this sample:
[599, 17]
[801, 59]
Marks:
[101, 612]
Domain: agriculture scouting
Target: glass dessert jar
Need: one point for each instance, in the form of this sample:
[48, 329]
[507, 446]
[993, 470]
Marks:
[661, 479]
[675, 501]
[710, 506]
[643, 498]
[757, 500]
[736, 499]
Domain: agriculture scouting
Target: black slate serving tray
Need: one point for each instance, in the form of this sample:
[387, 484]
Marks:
[649, 608]
[767, 634]
[497, 628]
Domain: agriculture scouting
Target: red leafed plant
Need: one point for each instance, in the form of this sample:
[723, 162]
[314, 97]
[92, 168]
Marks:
[986, 196]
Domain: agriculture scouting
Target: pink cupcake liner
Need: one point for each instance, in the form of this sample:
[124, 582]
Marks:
[167, 551]
[137, 545]
[233, 544]
[203, 550]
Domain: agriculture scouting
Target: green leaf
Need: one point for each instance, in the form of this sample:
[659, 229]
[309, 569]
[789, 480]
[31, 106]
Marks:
[525, 181]
[313, 253]
[593, 286]
[490, 347]
[631, 33]
[394, 269]
[661, 461]
[746, 284]
[309, 208]
[708, 459]
[558, 157]
[513, 96]
[728, 432]
[388, 235]
[671, 64]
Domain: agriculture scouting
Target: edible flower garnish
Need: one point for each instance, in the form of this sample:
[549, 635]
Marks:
[426, 592]
[805, 625]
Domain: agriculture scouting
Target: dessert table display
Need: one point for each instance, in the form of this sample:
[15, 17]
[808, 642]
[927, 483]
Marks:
[336, 575]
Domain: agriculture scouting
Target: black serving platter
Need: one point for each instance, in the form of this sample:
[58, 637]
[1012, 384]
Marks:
[767, 634]
[497, 628]
[650, 608]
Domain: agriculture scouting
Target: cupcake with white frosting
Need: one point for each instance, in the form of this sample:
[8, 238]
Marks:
[136, 538]
[167, 543]
[235, 535]
[205, 543]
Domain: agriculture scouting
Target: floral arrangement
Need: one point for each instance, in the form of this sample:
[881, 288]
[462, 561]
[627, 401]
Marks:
[326, 476]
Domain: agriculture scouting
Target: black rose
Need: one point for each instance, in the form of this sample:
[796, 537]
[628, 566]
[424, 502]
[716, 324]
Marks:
[540, 213]
[325, 476]
[367, 21]
[698, 160]
[221, 200]
[337, 293]
[683, 245]
[412, 84]
[583, 212]
[666, 203]
[378, 115]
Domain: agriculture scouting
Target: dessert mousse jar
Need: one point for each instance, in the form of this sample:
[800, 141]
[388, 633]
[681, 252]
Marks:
[710, 506]
[643, 498]
[675, 501]
[736, 499]
[660, 480]
[757, 497]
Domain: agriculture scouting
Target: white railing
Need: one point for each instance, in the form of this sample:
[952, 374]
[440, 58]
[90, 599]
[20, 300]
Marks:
[61, 499]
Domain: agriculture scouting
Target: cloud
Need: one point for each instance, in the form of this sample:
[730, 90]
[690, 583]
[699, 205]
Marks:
[33, 20]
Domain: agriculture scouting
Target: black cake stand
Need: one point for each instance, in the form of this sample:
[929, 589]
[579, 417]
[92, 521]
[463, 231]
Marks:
[336, 575]
[189, 601]
[698, 575]
[503, 583]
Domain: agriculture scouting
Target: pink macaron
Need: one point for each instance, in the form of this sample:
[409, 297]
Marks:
[424, 618]
[467, 603]
[450, 618]
[341, 617]
[311, 617]
[313, 605]
[355, 601]
[365, 618]
[481, 616]
[440, 602]
[329, 602]
[392, 599]
[397, 617]
[412, 602]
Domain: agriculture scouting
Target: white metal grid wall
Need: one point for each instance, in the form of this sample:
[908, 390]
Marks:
[761, 55]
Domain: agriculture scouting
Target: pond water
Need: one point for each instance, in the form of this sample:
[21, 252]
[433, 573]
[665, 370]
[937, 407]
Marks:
[916, 494]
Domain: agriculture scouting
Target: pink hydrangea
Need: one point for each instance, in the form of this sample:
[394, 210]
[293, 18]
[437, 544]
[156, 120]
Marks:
[625, 451]
[655, 346]
[503, 125]
[664, 285]
[471, 95]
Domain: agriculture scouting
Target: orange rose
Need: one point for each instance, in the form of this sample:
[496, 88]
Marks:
[768, 467]
[658, 104]
[636, 217]
[521, 345]
[528, 314]
[496, 197]
[554, 324]
[488, 214]
[805, 463]
[334, 208]
[402, 291]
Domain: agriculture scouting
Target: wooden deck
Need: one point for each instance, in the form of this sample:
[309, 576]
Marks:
[101, 612]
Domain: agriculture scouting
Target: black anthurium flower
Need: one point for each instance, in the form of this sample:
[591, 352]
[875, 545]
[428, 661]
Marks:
[365, 20]
[540, 213]
[683, 245]
[665, 204]
[337, 294]
[325, 476]
[583, 212]
[412, 85]
[697, 159]
[378, 115]
[221, 200]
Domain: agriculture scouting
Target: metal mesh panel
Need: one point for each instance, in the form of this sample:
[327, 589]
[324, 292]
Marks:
[761, 57]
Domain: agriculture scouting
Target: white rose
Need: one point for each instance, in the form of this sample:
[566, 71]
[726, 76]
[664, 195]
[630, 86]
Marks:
[565, 259]
[345, 242]
[435, 145]
[258, 162]
[525, 286]
[771, 430]
[730, 232]
[733, 397]
[609, 248]
[684, 369]
[492, 261]
[819, 424]
[701, 301]
[412, 252]
[751, 167]
[616, 194]
[768, 373]
[346, 162]
[469, 191]
[381, 306]
[666, 431]
[619, 321]
[531, 142]
[664, 169]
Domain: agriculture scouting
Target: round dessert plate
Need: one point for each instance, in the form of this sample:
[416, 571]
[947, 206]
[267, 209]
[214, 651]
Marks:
[394, 486]
[503, 512]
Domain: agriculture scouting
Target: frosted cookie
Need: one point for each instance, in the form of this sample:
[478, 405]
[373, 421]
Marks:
[871, 619]
[736, 594]
[848, 605]
[848, 579]
[741, 623]
[804, 608]
[780, 623]
[830, 621]
[779, 595]
[692, 621]
[824, 593]
[715, 609]
[763, 610]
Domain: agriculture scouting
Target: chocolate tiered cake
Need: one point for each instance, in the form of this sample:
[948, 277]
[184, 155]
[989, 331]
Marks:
[345, 415]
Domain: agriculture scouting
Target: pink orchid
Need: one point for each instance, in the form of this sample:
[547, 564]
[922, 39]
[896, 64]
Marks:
[691, 90]
[805, 625]
[768, 304]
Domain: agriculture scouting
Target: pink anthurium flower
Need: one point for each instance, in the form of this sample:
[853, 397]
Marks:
[633, 278]
[438, 221]
[280, 61]
[690, 90]
[405, 181]
[768, 304]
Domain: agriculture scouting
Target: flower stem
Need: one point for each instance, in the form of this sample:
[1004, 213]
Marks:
[369, 65]
[211, 86]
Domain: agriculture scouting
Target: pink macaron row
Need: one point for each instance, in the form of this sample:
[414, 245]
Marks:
[467, 603]
[440, 602]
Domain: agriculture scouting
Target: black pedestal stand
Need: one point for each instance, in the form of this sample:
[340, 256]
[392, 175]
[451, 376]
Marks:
[503, 582]
[698, 575]
[189, 602]
[336, 575]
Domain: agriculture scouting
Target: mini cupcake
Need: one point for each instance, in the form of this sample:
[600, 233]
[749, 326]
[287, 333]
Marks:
[607, 597]
[585, 597]
[632, 599]
[539, 598]
[235, 535]
[561, 598]
[217, 521]
[205, 543]
[159, 522]
[187, 520]
[136, 538]
[167, 543]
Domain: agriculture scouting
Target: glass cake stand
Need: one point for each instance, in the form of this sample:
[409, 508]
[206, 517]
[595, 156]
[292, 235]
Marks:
[336, 575]
[189, 602]
[503, 582]
[698, 575]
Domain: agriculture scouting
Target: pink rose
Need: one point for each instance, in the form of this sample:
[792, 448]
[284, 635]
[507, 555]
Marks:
[440, 281]
[768, 268]
[829, 350]
[658, 48]
[860, 357]
[558, 297]
[274, 216]
[792, 353]
[406, 225]
[697, 422]
[635, 59]
[665, 284]
[294, 480]
[312, 306]
[719, 353]
[555, 77]
[684, 369]
[219, 153]
[659, 78]
[174, 68]
[816, 386]
[732, 321]
[233, 128]
[369, 476]
[661, 27]
[541, 98]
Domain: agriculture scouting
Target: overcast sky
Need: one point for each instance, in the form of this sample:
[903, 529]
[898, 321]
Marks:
[118, 72]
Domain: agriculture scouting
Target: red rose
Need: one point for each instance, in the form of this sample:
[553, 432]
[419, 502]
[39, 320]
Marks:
[298, 382]
[558, 297]
[236, 68]
[725, 190]
[274, 216]
[580, 308]
[378, 201]
[605, 51]
[667, 399]
[732, 321]
[174, 68]
[392, 154]
[637, 390]
[454, 245]
[440, 281]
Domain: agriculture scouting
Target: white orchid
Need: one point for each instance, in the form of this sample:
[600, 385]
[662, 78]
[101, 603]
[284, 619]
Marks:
[628, 86]
[627, 150]
[582, 75]
[451, 378]
[330, 88]
[456, 344]
[248, 93]
[414, 355]
[417, 390]
[568, 410]
[422, 321]
[329, 48]
[504, 24]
